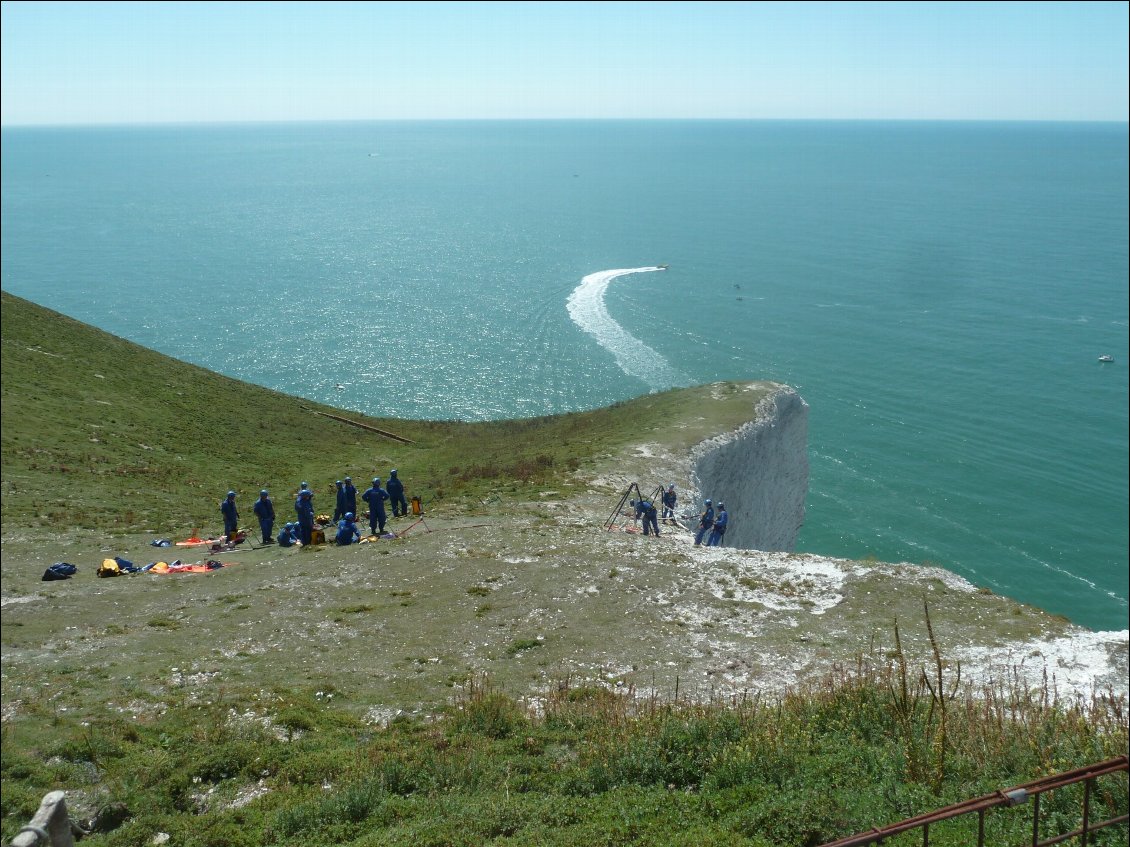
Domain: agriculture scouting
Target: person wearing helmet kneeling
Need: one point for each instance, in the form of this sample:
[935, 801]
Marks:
[288, 536]
[347, 531]
[705, 523]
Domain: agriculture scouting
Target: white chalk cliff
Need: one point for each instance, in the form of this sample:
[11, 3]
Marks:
[760, 471]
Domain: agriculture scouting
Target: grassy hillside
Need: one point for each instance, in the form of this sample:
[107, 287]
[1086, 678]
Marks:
[508, 673]
[101, 433]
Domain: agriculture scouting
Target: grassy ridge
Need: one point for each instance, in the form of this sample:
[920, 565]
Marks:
[103, 434]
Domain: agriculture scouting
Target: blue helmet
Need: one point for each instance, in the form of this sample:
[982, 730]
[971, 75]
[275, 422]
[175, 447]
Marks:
[263, 493]
[709, 502]
[338, 482]
[376, 480]
[349, 516]
[392, 472]
[349, 479]
[231, 494]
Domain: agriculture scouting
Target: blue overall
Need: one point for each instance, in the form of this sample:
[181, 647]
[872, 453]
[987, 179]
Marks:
[265, 511]
[347, 533]
[646, 510]
[231, 517]
[705, 523]
[376, 497]
[304, 506]
[340, 507]
[396, 494]
[719, 528]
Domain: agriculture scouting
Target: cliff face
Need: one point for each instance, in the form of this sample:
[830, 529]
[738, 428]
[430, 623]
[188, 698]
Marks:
[760, 472]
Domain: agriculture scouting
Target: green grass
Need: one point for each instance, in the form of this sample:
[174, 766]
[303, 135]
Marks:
[101, 433]
[288, 767]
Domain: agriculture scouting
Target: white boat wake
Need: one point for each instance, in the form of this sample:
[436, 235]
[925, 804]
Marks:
[586, 308]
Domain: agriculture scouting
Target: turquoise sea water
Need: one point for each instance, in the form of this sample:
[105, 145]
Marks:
[939, 293]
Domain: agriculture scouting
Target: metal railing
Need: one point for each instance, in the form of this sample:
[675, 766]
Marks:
[1009, 797]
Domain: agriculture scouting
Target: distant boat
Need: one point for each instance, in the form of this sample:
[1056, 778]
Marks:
[662, 267]
[1106, 358]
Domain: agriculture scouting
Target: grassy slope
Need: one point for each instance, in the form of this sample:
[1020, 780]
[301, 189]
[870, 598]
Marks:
[166, 692]
[101, 433]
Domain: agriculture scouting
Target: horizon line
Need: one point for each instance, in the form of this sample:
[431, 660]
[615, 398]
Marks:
[278, 121]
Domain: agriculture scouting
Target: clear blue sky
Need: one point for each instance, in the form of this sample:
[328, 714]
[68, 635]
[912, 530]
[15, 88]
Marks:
[142, 62]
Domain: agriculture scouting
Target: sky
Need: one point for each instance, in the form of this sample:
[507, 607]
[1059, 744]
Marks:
[144, 62]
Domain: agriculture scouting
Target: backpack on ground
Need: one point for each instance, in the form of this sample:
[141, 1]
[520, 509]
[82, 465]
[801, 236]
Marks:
[59, 570]
[109, 568]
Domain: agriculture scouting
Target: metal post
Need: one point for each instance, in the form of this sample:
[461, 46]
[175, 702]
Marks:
[1036, 820]
[1086, 809]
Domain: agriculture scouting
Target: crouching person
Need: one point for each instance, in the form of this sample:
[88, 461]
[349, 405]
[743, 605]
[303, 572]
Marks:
[287, 536]
[645, 509]
[347, 531]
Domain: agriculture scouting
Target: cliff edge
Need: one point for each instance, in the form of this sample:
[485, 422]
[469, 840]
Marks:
[761, 472]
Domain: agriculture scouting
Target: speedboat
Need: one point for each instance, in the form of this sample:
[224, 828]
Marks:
[1106, 358]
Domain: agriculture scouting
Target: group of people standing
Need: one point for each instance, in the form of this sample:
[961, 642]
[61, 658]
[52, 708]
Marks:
[712, 522]
[709, 521]
[301, 531]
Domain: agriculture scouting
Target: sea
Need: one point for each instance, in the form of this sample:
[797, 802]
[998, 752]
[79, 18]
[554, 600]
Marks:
[938, 292]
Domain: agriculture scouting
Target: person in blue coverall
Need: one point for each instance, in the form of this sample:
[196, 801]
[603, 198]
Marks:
[231, 516]
[304, 506]
[376, 497]
[669, 501]
[396, 494]
[350, 495]
[705, 523]
[265, 511]
[287, 536]
[720, 521]
[646, 509]
[347, 531]
[339, 505]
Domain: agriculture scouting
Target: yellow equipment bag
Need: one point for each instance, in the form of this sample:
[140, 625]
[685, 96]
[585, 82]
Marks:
[109, 568]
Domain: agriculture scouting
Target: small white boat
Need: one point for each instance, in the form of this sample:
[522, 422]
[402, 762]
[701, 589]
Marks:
[1106, 358]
